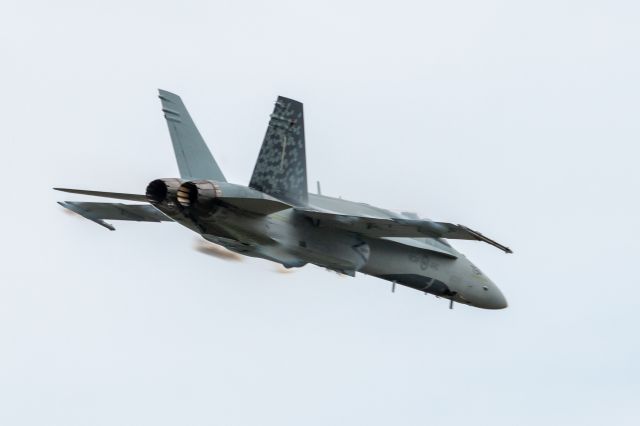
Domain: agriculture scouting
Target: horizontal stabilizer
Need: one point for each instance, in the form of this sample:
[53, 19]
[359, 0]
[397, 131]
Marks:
[96, 212]
[396, 227]
[259, 206]
[115, 195]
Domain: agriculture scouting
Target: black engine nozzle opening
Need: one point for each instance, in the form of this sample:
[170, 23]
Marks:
[157, 191]
[187, 194]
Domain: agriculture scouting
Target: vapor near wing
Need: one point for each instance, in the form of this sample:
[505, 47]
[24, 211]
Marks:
[217, 251]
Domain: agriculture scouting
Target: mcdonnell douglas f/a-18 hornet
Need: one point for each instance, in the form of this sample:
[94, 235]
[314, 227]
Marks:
[276, 218]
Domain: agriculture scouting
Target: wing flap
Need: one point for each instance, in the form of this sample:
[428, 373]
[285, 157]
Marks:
[97, 212]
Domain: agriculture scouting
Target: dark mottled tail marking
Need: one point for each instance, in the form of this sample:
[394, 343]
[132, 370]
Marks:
[281, 168]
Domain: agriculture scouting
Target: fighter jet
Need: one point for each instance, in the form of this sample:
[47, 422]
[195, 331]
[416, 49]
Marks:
[276, 218]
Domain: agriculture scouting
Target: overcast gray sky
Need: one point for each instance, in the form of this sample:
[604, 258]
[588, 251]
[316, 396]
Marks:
[519, 119]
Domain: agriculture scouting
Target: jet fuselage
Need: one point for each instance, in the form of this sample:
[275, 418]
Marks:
[293, 240]
[276, 218]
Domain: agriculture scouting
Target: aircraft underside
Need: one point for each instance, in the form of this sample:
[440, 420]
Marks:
[275, 217]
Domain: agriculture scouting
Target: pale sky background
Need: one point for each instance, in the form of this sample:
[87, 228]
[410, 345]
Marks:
[519, 119]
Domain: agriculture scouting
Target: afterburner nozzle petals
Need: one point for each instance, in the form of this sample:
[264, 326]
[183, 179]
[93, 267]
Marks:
[198, 193]
[187, 194]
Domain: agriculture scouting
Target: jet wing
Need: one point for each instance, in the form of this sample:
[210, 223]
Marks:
[116, 195]
[398, 227]
[96, 212]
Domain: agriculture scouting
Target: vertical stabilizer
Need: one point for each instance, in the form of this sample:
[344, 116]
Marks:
[194, 158]
[281, 168]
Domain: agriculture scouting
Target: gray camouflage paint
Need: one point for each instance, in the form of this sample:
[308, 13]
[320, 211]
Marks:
[254, 221]
[286, 237]
[281, 168]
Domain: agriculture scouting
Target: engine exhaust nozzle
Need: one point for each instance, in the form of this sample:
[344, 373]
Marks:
[187, 194]
[198, 193]
[163, 190]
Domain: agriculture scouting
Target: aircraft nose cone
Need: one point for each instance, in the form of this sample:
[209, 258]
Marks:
[495, 299]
